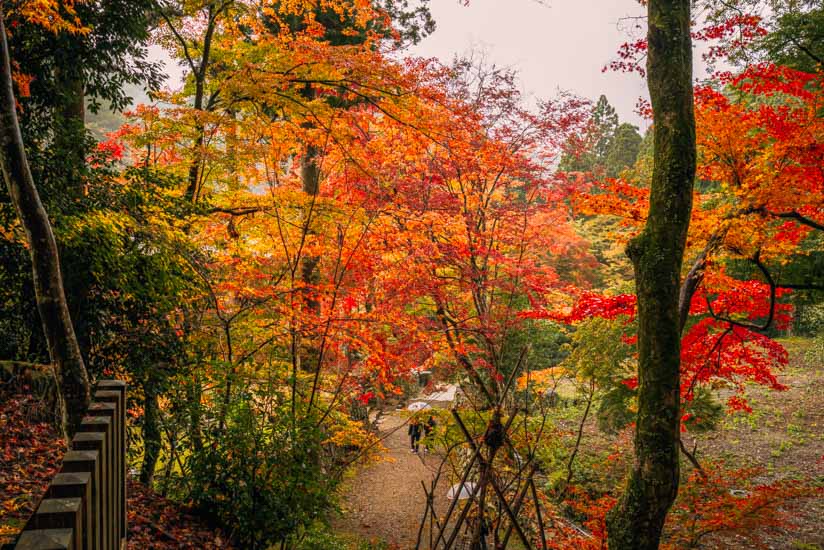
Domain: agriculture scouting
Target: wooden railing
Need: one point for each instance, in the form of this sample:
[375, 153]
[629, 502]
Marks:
[84, 507]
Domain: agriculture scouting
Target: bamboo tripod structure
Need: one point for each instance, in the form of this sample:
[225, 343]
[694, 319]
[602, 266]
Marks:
[442, 535]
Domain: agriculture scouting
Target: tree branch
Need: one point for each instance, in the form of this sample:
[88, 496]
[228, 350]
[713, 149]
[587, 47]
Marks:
[238, 211]
[696, 275]
[691, 457]
[180, 40]
[756, 259]
[793, 215]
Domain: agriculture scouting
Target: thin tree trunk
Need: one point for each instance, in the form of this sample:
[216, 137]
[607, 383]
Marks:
[151, 433]
[193, 395]
[637, 520]
[232, 151]
[193, 185]
[70, 131]
[193, 188]
[230, 375]
[309, 276]
[310, 178]
[575, 449]
[70, 371]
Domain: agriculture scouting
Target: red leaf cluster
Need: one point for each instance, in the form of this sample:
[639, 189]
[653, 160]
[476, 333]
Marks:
[587, 305]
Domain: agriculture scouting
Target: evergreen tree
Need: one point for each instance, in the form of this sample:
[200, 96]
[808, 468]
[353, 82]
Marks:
[623, 150]
[605, 122]
[608, 147]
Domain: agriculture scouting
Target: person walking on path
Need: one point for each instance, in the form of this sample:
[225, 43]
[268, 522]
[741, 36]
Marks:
[414, 431]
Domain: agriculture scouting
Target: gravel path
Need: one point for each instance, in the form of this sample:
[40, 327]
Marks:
[386, 500]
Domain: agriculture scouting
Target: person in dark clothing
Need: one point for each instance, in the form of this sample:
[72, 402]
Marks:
[414, 431]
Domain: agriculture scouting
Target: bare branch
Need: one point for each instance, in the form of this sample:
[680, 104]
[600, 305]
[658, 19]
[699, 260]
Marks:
[756, 259]
[793, 215]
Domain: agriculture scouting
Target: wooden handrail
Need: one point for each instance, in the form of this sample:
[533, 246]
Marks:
[84, 507]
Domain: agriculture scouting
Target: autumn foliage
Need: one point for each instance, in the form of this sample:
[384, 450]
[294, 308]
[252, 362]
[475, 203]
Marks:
[273, 249]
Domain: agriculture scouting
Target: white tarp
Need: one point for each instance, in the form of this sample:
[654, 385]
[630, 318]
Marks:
[446, 394]
[462, 491]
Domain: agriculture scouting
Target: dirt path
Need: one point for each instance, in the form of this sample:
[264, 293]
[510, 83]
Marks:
[386, 500]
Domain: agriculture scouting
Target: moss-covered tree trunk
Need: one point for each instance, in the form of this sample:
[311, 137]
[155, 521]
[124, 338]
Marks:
[637, 520]
[70, 371]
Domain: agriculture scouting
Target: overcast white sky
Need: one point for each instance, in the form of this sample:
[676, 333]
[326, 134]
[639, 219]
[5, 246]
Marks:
[553, 44]
[557, 44]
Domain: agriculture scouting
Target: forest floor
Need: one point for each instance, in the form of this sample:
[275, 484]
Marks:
[783, 436]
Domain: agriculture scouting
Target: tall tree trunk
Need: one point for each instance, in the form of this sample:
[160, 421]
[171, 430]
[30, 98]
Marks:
[193, 185]
[310, 178]
[657, 253]
[70, 371]
[309, 276]
[151, 432]
[70, 126]
[193, 188]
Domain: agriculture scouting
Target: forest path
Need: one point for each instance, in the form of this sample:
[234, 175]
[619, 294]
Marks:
[385, 500]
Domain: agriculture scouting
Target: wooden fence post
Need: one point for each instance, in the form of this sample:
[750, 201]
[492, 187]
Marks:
[46, 539]
[88, 440]
[109, 411]
[60, 513]
[76, 485]
[79, 461]
[84, 507]
[95, 442]
[114, 391]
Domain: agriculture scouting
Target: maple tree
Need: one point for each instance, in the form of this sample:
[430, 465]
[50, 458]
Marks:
[749, 155]
[743, 214]
[272, 251]
[471, 206]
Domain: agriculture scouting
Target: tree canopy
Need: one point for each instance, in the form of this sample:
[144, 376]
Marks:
[275, 253]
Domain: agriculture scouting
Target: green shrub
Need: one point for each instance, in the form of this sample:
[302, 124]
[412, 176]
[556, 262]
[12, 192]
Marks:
[262, 478]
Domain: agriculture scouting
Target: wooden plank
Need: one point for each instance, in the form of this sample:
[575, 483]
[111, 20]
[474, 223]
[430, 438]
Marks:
[45, 539]
[77, 485]
[61, 513]
[86, 458]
